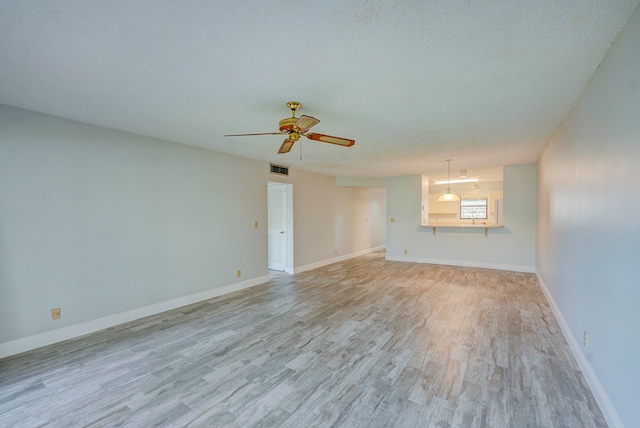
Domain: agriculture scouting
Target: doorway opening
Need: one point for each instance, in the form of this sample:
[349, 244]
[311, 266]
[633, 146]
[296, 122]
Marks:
[280, 226]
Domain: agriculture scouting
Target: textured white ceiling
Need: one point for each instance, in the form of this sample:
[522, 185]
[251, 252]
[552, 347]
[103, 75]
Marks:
[414, 82]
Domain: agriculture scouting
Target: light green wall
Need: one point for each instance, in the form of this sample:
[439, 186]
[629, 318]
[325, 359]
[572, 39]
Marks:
[589, 227]
[511, 248]
[100, 222]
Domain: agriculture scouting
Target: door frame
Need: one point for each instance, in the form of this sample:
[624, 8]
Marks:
[288, 222]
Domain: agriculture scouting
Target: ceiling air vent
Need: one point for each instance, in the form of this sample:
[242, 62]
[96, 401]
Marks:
[278, 169]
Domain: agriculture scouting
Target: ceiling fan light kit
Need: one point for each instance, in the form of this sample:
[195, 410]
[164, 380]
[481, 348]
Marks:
[449, 197]
[294, 128]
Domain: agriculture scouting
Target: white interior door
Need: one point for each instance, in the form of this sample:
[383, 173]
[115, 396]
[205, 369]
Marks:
[277, 226]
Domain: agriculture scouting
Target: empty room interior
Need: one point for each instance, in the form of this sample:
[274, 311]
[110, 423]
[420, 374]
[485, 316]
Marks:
[296, 213]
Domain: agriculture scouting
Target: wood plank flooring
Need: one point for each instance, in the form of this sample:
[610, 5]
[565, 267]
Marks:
[361, 343]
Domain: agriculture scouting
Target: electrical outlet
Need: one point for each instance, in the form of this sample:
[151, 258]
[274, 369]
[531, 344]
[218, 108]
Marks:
[335, 252]
[405, 251]
[55, 314]
[585, 338]
[255, 224]
[238, 273]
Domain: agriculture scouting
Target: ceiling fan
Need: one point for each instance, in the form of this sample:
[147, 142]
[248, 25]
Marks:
[295, 127]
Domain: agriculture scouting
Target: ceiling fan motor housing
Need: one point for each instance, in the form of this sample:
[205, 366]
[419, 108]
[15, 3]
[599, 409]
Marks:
[286, 125]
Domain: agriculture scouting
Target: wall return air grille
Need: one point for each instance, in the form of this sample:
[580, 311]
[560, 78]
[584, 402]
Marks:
[279, 169]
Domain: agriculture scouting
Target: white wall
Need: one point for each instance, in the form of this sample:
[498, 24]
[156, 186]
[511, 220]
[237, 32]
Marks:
[588, 229]
[100, 223]
[360, 215]
[510, 248]
[332, 222]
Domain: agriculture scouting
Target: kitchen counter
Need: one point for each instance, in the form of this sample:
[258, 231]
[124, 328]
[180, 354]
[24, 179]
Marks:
[435, 226]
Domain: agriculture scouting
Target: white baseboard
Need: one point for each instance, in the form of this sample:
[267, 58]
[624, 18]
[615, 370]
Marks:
[606, 406]
[485, 265]
[48, 338]
[337, 259]
[39, 340]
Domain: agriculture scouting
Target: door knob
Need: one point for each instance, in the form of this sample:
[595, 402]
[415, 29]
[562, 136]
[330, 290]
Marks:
[282, 231]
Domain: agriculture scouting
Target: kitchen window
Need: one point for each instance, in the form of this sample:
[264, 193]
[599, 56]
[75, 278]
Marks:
[473, 208]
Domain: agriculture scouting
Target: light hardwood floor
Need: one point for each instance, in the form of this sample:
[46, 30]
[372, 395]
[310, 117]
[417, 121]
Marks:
[361, 343]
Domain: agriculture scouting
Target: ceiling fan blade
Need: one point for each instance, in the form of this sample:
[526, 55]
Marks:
[306, 122]
[248, 135]
[333, 140]
[286, 146]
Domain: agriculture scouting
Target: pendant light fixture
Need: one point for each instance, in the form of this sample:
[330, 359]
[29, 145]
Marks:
[448, 197]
